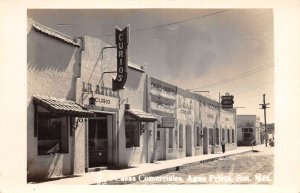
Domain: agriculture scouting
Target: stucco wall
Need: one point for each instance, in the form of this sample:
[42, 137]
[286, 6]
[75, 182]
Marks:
[52, 68]
[94, 63]
[135, 95]
[243, 120]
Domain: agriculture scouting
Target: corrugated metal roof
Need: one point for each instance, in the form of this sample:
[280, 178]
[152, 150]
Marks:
[62, 106]
[51, 32]
[141, 115]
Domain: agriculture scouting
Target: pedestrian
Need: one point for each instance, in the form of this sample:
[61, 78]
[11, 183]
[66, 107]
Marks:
[223, 145]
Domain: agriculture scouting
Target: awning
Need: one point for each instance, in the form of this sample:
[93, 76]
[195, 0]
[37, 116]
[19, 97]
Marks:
[62, 106]
[141, 115]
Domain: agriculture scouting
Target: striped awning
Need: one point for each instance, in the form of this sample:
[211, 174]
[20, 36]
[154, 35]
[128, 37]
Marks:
[141, 115]
[62, 106]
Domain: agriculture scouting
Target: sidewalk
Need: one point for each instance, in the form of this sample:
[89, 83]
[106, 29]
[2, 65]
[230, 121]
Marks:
[146, 169]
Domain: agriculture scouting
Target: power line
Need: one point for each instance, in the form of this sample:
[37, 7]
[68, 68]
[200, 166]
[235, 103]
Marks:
[248, 73]
[173, 23]
[271, 82]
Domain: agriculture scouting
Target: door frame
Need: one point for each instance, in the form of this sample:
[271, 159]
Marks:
[113, 140]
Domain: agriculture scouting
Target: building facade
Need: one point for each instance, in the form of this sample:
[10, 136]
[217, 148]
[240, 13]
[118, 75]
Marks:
[249, 129]
[76, 123]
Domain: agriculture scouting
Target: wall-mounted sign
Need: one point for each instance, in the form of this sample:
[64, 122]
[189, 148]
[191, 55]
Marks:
[102, 101]
[167, 122]
[122, 41]
[101, 90]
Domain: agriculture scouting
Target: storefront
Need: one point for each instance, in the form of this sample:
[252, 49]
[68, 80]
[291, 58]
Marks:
[101, 129]
[77, 123]
[163, 104]
[249, 130]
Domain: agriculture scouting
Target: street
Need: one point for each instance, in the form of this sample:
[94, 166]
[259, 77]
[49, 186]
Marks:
[247, 168]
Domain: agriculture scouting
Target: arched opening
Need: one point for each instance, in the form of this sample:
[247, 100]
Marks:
[205, 141]
[188, 140]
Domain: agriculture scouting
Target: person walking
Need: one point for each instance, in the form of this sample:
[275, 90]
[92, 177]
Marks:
[223, 145]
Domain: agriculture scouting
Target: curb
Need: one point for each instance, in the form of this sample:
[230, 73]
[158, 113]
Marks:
[158, 172]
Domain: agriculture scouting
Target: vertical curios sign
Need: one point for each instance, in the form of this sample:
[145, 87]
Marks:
[122, 40]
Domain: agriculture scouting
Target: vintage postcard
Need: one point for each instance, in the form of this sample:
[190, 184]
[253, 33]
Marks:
[153, 96]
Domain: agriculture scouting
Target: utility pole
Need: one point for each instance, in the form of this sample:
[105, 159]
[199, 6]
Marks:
[264, 107]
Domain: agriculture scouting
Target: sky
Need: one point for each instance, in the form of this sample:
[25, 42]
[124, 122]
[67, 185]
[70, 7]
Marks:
[215, 50]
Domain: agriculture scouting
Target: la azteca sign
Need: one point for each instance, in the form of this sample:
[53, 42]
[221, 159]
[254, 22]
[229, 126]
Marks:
[122, 41]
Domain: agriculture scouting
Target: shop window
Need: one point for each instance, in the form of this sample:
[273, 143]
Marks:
[217, 136]
[158, 135]
[132, 132]
[52, 134]
[171, 138]
[232, 136]
[210, 133]
[180, 136]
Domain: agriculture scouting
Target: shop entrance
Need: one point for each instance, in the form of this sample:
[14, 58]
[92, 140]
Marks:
[98, 141]
[205, 142]
[161, 144]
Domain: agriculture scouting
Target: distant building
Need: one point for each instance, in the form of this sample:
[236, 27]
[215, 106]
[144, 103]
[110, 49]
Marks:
[248, 129]
[270, 130]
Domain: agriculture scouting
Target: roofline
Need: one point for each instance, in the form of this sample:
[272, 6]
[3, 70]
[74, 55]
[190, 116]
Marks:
[136, 68]
[53, 33]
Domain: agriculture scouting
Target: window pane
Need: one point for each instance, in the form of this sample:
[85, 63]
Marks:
[132, 133]
[52, 134]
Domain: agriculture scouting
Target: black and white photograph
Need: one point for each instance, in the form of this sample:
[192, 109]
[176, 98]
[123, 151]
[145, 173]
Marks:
[126, 97]
[158, 96]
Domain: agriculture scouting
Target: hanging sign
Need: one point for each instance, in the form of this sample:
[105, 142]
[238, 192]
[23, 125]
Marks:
[122, 40]
[227, 101]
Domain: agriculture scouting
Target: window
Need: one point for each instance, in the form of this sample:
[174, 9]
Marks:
[158, 135]
[170, 138]
[245, 130]
[217, 136]
[132, 132]
[210, 137]
[52, 134]
[232, 136]
[180, 136]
